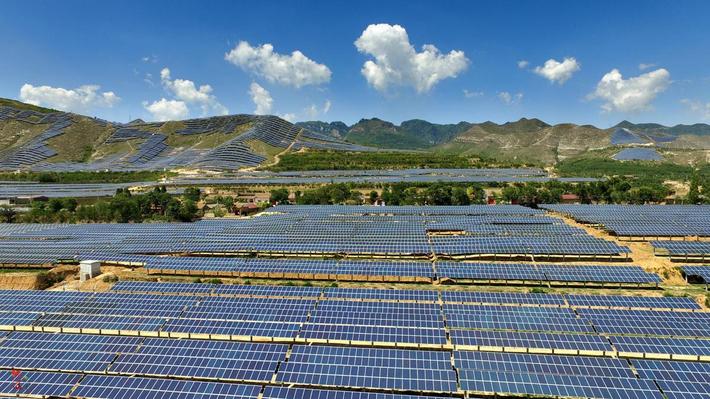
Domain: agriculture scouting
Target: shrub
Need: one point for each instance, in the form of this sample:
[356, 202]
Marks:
[537, 290]
[111, 278]
[48, 279]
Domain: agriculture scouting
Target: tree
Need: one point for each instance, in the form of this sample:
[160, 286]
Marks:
[69, 204]
[693, 196]
[279, 195]
[188, 211]
[373, 196]
[7, 214]
[55, 205]
[459, 196]
[192, 194]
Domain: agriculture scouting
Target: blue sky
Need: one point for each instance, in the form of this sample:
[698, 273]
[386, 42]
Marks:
[59, 52]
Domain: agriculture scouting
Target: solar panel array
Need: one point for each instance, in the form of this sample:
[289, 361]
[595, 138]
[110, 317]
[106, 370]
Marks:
[638, 154]
[35, 150]
[649, 221]
[153, 152]
[488, 348]
[690, 251]
[699, 272]
[482, 232]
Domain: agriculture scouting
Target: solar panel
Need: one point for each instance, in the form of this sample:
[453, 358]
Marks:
[116, 387]
[38, 384]
[204, 359]
[393, 369]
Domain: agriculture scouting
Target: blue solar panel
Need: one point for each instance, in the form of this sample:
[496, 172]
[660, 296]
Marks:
[115, 387]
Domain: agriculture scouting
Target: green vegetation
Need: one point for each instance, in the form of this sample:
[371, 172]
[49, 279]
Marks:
[329, 194]
[78, 141]
[86, 177]
[46, 279]
[123, 207]
[332, 160]
[20, 105]
[615, 190]
[7, 214]
[110, 278]
[645, 170]
[279, 195]
[433, 194]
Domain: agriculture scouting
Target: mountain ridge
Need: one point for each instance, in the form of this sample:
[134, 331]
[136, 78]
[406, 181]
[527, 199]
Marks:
[37, 138]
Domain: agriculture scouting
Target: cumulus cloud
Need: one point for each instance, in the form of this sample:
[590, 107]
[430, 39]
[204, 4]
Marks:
[522, 64]
[697, 107]
[633, 94]
[644, 67]
[558, 72]
[76, 100]
[188, 92]
[289, 117]
[261, 98]
[295, 70]
[397, 63]
[167, 110]
[326, 106]
[472, 94]
[510, 99]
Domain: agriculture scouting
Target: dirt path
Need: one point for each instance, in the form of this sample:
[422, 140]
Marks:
[277, 157]
[641, 253]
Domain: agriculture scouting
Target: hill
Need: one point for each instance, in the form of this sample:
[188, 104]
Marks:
[41, 139]
[34, 138]
[529, 141]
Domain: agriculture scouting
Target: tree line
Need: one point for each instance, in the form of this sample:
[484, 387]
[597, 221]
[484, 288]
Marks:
[123, 207]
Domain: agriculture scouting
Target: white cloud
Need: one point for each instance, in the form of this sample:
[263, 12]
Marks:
[472, 94]
[288, 117]
[76, 100]
[167, 110]
[633, 94]
[261, 98]
[522, 64]
[558, 72]
[150, 59]
[313, 111]
[510, 99]
[397, 63]
[295, 70]
[698, 107]
[187, 91]
[643, 66]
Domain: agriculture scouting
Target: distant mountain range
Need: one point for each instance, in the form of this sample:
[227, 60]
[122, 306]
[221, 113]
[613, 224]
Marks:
[526, 140]
[35, 138]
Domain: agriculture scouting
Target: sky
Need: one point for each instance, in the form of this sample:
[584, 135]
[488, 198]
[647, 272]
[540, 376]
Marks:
[584, 62]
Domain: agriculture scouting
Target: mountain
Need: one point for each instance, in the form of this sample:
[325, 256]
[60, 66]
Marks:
[526, 140]
[335, 129]
[698, 129]
[412, 134]
[35, 138]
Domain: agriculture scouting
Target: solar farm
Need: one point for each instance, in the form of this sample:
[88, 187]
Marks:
[356, 302]
[678, 232]
[147, 145]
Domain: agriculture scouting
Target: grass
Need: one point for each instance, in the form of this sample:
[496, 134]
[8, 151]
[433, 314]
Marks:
[78, 141]
[14, 133]
[333, 160]
[86, 177]
[20, 105]
[601, 167]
